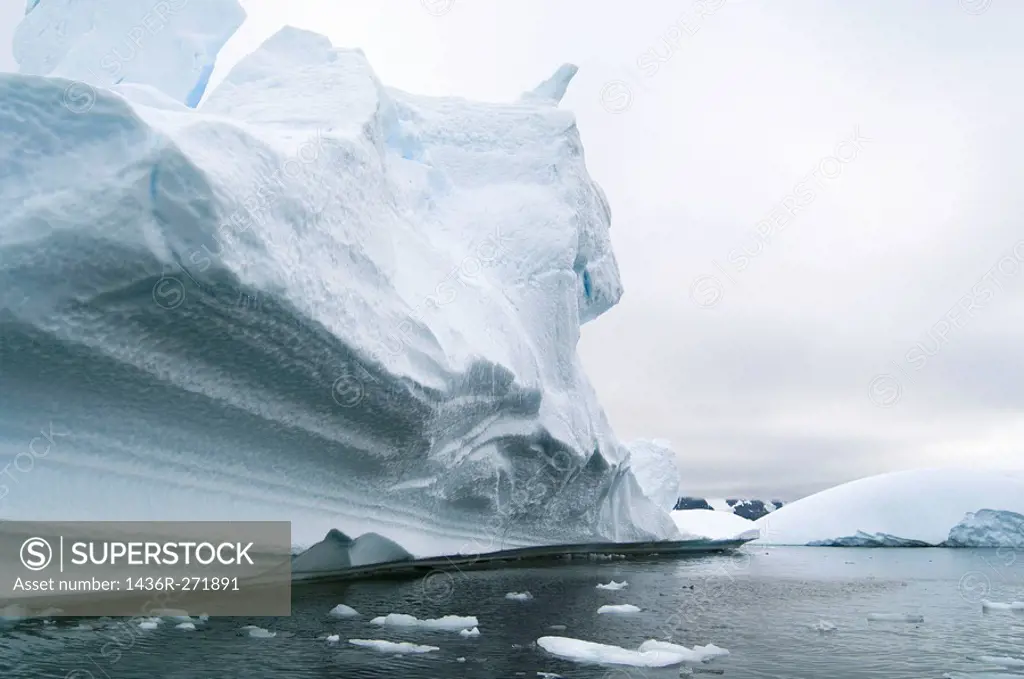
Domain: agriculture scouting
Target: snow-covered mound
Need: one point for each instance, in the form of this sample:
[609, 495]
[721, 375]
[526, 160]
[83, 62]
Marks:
[911, 508]
[171, 45]
[712, 525]
[988, 528]
[656, 469]
[313, 299]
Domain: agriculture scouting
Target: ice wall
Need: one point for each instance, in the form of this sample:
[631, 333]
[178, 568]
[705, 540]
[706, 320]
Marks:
[315, 299]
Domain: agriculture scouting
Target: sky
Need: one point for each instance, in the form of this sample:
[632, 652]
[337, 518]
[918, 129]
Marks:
[816, 213]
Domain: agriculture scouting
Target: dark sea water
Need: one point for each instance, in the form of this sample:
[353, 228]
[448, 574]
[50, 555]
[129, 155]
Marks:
[762, 604]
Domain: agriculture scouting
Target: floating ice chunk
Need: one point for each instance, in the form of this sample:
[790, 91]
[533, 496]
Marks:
[148, 624]
[519, 596]
[187, 626]
[620, 609]
[261, 633]
[895, 617]
[614, 585]
[475, 632]
[987, 605]
[204, 618]
[333, 638]
[1003, 661]
[697, 654]
[557, 628]
[342, 611]
[392, 647]
[825, 626]
[452, 623]
[604, 654]
[549, 675]
[460, 659]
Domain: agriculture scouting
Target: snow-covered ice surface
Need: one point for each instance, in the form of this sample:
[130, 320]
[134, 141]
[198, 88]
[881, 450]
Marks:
[454, 623]
[392, 646]
[519, 596]
[652, 653]
[618, 609]
[475, 632]
[714, 525]
[314, 298]
[171, 45]
[910, 508]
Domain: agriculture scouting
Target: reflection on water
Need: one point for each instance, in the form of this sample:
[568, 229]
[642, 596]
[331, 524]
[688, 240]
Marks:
[764, 605]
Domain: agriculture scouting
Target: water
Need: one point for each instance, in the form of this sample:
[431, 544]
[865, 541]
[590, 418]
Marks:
[761, 604]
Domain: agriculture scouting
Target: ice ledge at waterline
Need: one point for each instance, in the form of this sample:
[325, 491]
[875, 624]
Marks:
[314, 299]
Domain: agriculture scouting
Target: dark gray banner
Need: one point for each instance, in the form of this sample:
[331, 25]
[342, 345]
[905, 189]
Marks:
[146, 568]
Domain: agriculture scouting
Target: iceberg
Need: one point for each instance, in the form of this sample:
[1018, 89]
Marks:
[988, 528]
[915, 508]
[312, 298]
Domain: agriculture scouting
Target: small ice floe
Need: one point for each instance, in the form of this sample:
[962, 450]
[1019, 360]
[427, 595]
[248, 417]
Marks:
[652, 653]
[556, 628]
[475, 632]
[614, 586]
[1002, 661]
[403, 647]
[987, 605]
[204, 618]
[619, 609]
[460, 659]
[342, 611]
[248, 627]
[895, 617]
[549, 675]
[333, 638]
[453, 623]
[519, 596]
[149, 623]
[825, 626]
[187, 626]
[260, 633]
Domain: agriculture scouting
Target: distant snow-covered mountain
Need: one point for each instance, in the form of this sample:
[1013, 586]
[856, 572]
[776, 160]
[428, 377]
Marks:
[748, 509]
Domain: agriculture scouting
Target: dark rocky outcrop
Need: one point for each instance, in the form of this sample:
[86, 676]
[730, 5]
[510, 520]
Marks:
[692, 503]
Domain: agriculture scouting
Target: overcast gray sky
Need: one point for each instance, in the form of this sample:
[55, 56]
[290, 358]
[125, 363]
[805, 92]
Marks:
[762, 368]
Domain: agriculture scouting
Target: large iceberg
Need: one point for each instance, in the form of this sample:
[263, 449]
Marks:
[916, 508]
[313, 298]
